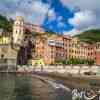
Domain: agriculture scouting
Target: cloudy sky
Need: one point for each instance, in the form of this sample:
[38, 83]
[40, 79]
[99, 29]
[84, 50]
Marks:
[61, 16]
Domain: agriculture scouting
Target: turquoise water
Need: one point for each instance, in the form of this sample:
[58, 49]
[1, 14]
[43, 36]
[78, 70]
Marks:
[26, 87]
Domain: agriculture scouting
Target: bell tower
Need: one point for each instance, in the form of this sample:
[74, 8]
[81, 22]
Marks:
[18, 31]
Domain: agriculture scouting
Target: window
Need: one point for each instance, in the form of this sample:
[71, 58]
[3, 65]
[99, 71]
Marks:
[2, 55]
[16, 31]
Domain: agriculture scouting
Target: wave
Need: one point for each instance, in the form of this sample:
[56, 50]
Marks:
[54, 84]
[58, 85]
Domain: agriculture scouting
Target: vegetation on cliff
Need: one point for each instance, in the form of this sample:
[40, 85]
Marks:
[90, 36]
[6, 24]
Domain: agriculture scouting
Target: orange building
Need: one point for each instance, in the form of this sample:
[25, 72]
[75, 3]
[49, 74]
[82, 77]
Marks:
[58, 47]
[34, 28]
[52, 48]
[91, 52]
[97, 53]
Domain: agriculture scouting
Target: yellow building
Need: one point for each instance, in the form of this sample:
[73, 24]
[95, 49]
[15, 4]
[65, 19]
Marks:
[4, 40]
[74, 48]
[18, 30]
[36, 62]
[81, 50]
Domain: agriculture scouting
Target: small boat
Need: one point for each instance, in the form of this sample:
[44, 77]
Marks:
[90, 98]
[90, 95]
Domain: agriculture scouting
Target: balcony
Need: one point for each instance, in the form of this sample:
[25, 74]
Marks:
[55, 43]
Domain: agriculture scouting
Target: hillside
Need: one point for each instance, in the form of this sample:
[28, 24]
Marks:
[90, 36]
[6, 24]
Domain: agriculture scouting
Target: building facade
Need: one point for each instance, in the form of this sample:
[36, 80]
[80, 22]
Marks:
[52, 47]
[97, 53]
[7, 54]
[34, 28]
[18, 30]
[81, 50]
[58, 47]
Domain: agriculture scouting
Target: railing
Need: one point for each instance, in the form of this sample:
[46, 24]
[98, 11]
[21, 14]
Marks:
[60, 69]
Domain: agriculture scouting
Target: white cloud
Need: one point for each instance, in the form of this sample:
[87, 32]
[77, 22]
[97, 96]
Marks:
[39, 20]
[83, 4]
[88, 14]
[51, 14]
[33, 11]
[40, 11]
[39, 7]
[83, 19]
[18, 13]
[72, 32]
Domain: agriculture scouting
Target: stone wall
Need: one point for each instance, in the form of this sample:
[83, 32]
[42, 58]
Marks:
[8, 58]
[61, 69]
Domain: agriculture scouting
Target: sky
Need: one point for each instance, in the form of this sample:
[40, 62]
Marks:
[67, 17]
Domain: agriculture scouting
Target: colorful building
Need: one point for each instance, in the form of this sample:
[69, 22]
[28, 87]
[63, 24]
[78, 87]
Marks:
[81, 50]
[58, 47]
[18, 30]
[97, 53]
[52, 47]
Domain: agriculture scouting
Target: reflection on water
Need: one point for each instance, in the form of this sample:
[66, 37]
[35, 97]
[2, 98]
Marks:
[24, 87]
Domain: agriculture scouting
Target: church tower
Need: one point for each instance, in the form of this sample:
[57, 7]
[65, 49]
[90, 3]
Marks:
[18, 31]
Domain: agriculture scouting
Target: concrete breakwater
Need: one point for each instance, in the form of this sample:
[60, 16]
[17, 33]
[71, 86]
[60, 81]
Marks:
[60, 69]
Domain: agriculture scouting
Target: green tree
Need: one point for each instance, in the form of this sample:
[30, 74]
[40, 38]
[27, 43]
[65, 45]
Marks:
[60, 61]
[6, 24]
[80, 61]
[91, 62]
[90, 36]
